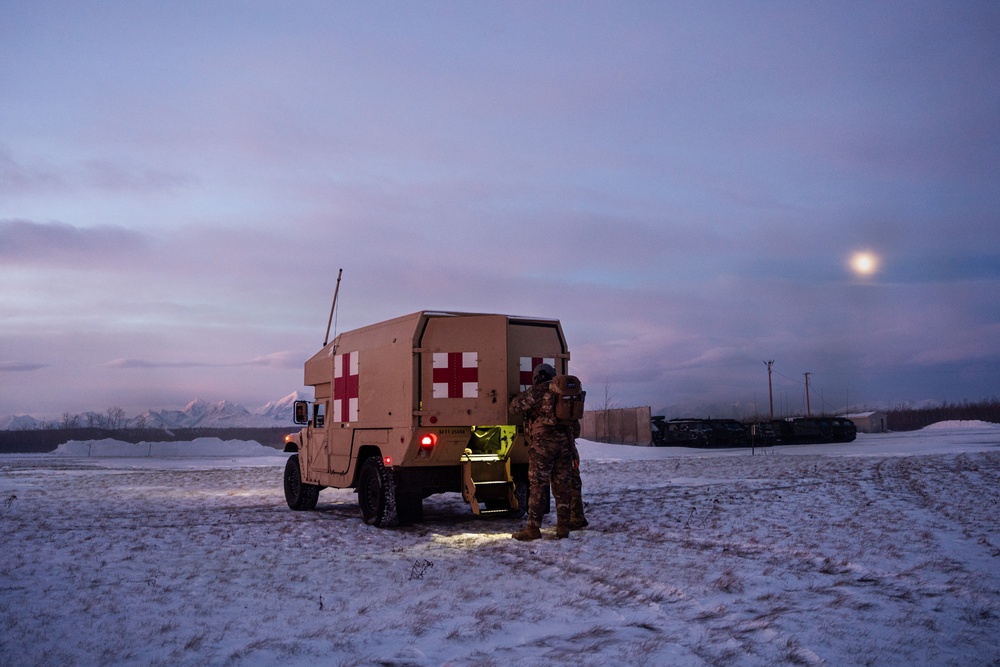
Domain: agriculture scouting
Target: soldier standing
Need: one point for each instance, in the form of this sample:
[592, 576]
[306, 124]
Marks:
[550, 455]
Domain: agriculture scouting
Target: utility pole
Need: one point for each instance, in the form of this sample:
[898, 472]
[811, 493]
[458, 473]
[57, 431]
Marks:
[770, 391]
[808, 410]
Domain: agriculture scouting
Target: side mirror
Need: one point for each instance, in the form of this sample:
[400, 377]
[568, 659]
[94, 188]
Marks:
[301, 415]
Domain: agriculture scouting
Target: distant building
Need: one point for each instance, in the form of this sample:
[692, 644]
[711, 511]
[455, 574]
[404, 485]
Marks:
[869, 422]
[623, 426]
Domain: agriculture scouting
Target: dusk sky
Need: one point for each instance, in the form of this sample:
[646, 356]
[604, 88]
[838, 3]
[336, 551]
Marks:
[685, 185]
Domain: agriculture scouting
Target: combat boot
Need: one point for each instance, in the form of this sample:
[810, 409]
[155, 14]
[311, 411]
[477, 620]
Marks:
[578, 523]
[562, 531]
[528, 533]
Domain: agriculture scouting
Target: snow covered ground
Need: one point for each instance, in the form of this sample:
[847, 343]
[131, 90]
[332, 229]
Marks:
[885, 551]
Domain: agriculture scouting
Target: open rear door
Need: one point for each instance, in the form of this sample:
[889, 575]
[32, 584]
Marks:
[463, 371]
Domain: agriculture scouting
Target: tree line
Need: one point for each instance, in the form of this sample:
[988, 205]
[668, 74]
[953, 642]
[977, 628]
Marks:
[46, 436]
[113, 419]
[902, 417]
[909, 418]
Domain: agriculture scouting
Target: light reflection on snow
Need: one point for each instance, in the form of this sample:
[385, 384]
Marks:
[467, 540]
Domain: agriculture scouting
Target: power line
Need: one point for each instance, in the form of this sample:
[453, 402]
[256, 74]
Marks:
[789, 378]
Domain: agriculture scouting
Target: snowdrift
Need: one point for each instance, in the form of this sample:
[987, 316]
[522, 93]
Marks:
[960, 424]
[208, 447]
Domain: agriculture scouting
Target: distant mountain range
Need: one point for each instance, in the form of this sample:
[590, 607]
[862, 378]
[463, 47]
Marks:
[196, 414]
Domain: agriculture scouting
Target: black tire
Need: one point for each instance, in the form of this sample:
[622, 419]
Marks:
[298, 495]
[377, 494]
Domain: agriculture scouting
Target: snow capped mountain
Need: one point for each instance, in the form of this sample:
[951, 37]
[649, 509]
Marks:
[19, 423]
[196, 414]
[282, 409]
[224, 414]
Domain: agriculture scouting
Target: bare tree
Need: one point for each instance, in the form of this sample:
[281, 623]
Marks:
[602, 421]
[70, 421]
[116, 418]
[609, 402]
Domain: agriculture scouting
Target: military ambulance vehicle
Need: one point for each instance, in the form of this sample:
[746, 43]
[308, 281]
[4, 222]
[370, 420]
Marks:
[416, 406]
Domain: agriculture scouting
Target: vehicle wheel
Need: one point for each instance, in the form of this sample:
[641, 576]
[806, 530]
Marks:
[377, 494]
[298, 495]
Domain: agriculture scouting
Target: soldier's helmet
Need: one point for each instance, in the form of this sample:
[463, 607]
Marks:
[543, 373]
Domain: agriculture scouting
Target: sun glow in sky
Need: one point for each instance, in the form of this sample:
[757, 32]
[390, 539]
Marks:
[864, 263]
[678, 182]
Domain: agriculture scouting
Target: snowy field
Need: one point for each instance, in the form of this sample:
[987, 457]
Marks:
[885, 551]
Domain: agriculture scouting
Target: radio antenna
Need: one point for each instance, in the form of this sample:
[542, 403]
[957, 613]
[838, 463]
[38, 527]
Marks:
[333, 307]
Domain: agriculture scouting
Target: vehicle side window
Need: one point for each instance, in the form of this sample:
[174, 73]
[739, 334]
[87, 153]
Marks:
[319, 414]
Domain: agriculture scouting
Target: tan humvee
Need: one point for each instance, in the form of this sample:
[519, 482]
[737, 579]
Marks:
[417, 405]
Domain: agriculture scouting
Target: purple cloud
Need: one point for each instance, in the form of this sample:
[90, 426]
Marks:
[20, 366]
[282, 360]
[20, 179]
[26, 242]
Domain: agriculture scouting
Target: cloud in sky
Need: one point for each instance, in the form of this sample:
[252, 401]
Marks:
[26, 242]
[142, 363]
[273, 360]
[19, 367]
[19, 179]
[683, 185]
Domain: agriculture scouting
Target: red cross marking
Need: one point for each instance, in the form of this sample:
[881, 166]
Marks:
[528, 367]
[345, 387]
[454, 375]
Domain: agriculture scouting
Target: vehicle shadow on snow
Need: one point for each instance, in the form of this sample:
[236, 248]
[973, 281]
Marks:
[441, 512]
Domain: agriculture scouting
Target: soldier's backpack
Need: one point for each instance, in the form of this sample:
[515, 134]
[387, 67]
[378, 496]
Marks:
[570, 398]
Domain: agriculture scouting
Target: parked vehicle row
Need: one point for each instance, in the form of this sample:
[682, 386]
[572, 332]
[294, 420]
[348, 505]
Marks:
[726, 433]
[815, 430]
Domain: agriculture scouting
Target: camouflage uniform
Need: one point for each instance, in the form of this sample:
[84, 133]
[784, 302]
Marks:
[577, 519]
[550, 456]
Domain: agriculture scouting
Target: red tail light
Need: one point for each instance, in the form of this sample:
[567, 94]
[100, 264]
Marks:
[428, 440]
